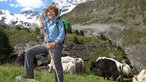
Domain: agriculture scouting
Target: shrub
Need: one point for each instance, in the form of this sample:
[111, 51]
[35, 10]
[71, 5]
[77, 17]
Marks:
[37, 30]
[69, 30]
[81, 33]
[5, 48]
[102, 37]
[75, 39]
[18, 27]
[76, 32]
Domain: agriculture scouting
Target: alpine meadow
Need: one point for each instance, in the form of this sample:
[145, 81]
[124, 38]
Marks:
[104, 42]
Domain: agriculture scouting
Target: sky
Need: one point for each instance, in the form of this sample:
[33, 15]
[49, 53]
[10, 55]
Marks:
[18, 6]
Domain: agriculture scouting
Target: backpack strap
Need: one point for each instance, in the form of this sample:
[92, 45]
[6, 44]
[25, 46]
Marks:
[57, 26]
[57, 23]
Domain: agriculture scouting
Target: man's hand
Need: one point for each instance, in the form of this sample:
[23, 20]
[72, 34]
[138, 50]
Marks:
[50, 45]
[42, 27]
[41, 24]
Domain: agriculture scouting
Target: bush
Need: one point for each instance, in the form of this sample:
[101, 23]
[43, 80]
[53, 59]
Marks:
[76, 32]
[69, 30]
[5, 48]
[102, 37]
[18, 27]
[75, 39]
[37, 30]
[81, 33]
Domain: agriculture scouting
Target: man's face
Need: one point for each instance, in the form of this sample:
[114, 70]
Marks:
[51, 14]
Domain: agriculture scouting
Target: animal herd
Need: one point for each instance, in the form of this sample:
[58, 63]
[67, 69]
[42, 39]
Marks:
[70, 65]
[108, 68]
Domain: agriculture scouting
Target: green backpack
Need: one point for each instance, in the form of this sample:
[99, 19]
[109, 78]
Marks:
[66, 25]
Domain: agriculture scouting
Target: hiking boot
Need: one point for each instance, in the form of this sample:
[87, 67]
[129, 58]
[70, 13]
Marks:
[27, 76]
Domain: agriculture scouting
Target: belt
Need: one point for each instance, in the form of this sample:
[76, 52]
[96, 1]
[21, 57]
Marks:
[51, 42]
[48, 42]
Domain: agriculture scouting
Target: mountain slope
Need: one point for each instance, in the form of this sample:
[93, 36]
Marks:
[66, 6]
[26, 19]
[122, 22]
[123, 11]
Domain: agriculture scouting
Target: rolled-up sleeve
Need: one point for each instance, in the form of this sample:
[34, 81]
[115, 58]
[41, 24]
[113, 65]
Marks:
[61, 36]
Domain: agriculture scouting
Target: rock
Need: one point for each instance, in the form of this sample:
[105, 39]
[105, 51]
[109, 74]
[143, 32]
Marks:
[19, 50]
[119, 35]
[21, 79]
[82, 50]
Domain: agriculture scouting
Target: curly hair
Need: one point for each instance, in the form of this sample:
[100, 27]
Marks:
[51, 7]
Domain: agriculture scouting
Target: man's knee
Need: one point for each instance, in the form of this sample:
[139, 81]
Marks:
[28, 52]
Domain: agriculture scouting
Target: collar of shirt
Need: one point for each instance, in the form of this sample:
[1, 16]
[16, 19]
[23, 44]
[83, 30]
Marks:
[54, 19]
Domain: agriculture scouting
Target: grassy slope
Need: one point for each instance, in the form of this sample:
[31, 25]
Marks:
[8, 74]
[108, 11]
[20, 36]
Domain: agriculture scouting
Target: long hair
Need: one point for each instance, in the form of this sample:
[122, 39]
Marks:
[51, 7]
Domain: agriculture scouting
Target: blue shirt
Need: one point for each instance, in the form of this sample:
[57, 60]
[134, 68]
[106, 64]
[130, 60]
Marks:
[52, 32]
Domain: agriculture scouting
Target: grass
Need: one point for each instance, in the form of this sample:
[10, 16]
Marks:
[20, 36]
[83, 38]
[135, 35]
[9, 72]
[108, 11]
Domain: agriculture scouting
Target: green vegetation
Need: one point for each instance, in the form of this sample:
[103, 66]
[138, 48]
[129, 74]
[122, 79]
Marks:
[135, 35]
[102, 37]
[82, 38]
[75, 40]
[37, 30]
[69, 29]
[5, 48]
[127, 12]
[20, 36]
[9, 38]
[8, 74]
[104, 48]
[76, 32]
[102, 51]
[18, 27]
[108, 11]
[81, 33]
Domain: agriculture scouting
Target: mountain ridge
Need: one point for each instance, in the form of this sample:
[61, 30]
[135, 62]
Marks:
[29, 19]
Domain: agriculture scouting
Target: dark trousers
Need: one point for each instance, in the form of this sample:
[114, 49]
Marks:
[55, 52]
